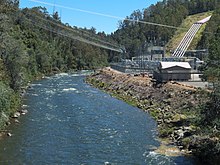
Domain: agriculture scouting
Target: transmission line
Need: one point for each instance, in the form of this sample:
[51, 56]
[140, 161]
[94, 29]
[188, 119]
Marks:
[72, 36]
[73, 30]
[107, 15]
[114, 17]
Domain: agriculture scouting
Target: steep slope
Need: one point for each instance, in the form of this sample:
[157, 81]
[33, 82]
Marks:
[184, 27]
[32, 44]
[157, 24]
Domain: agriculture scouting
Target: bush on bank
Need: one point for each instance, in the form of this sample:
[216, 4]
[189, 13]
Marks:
[9, 102]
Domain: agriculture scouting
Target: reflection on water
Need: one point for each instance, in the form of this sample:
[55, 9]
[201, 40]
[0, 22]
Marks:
[70, 122]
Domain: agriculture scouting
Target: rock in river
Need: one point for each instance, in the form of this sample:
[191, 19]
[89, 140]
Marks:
[16, 115]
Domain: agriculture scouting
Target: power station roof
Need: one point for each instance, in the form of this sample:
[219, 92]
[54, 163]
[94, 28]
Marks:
[165, 65]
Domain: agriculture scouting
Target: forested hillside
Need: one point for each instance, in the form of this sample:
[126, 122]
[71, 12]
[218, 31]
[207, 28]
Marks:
[34, 43]
[135, 36]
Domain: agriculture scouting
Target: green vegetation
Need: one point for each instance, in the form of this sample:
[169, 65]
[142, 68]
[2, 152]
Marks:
[186, 24]
[209, 118]
[9, 102]
[33, 44]
[136, 36]
[206, 118]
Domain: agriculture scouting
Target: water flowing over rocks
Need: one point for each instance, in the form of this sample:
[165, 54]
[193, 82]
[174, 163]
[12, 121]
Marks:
[80, 125]
[173, 105]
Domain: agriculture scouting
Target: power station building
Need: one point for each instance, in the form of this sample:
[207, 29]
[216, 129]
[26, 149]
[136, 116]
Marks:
[177, 71]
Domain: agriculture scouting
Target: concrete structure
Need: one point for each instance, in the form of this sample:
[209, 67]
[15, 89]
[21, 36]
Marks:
[187, 39]
[178, 71]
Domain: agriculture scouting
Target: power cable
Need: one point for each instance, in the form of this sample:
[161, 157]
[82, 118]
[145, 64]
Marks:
[74, 37]
[75, 31]
[106, 15]
[112, 16]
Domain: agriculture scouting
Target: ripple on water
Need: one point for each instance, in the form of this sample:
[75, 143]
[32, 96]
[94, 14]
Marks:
[50, 92]
[69, 89]
[69, 122]
[50, 116]
[33, 85]
[153, 158]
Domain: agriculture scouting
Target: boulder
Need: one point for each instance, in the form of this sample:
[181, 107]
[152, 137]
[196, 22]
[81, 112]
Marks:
[16, 121]
[9, 134]
[179, 134]
[16, 115]
[24, 111]
[24, 106]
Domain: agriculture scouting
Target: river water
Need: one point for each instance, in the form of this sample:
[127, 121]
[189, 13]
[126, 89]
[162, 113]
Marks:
[70, 122]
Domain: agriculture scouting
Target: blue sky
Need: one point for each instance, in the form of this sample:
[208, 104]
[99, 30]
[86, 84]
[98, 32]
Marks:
[68, 9]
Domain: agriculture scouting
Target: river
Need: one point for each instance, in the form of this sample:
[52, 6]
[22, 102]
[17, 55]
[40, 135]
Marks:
[70, 122]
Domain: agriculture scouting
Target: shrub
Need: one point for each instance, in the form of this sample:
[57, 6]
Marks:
[9, 101]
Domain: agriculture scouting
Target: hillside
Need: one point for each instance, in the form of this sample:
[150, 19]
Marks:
[158, 24]
[184, 27]
[33, 43]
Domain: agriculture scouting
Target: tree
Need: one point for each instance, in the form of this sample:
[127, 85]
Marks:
[211, 111]
[56, 16]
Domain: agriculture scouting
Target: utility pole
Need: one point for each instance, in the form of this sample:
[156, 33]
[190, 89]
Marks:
[54, 2]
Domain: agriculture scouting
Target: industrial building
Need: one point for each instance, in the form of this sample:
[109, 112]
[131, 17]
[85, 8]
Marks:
[178, 71]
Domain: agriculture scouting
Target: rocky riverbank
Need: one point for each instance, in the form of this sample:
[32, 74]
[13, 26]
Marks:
[173, 105]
